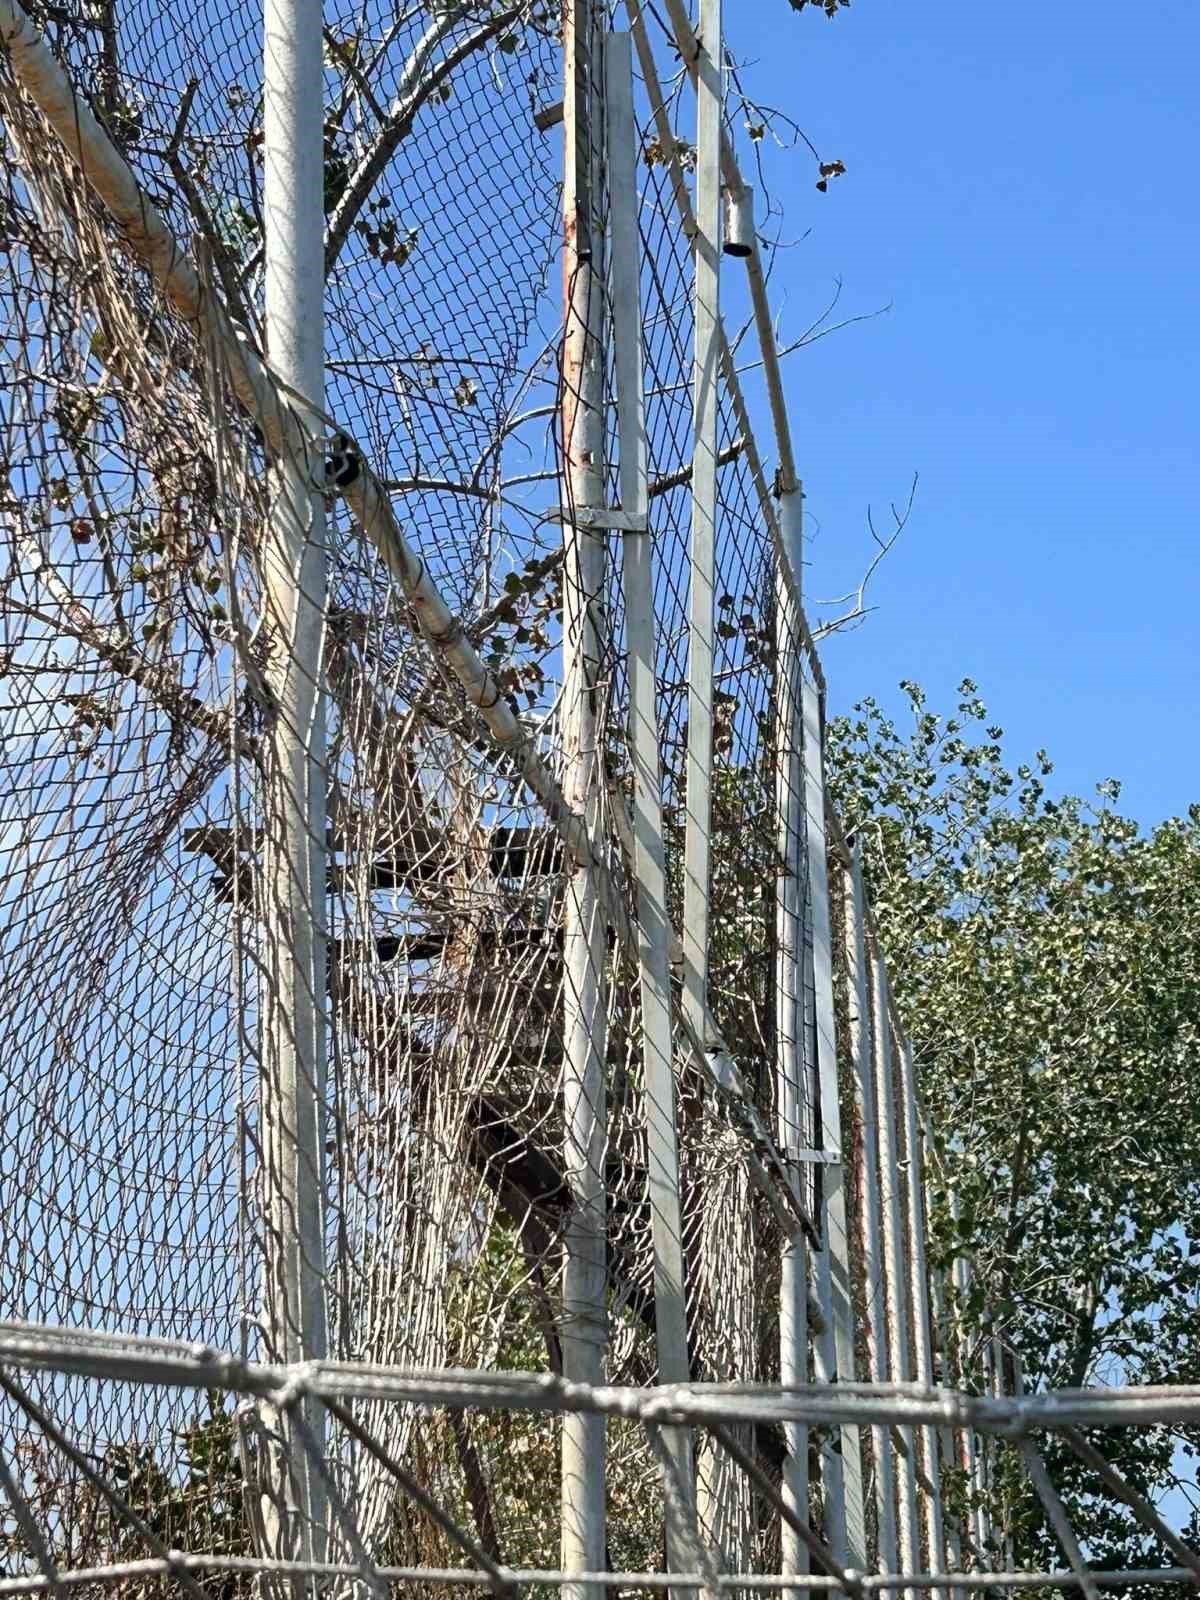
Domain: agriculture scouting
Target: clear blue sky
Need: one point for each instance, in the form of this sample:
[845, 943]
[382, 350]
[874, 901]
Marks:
[1021, 184]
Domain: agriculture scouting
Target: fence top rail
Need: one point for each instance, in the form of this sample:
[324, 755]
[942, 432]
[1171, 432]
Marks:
[88, 1353]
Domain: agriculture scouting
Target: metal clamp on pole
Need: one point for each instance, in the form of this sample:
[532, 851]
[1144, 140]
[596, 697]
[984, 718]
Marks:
[592, 517]
[824, 1158]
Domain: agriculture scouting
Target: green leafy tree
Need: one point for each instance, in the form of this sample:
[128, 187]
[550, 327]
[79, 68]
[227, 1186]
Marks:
[1045, 956]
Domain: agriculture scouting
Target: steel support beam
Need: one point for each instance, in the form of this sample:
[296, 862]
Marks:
[870, 1224]
[705, 401]
[585, 1313]
[292, 1004]
[841, 1466]
[894, 1256]
[654, 930]
[922, 1309]
[794, 1134]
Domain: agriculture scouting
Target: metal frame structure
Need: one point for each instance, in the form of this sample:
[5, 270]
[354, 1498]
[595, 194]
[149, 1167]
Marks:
[852, 1501]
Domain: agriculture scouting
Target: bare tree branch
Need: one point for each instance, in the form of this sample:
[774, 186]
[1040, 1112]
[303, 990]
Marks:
[226, 268]
[816, 329]
[117, 651]
[476, 1482]
[415, 89]
[221, 260]
[497, 492]
[344, 58]
[856, 598]
[419, 485]
[682, 475]
[399, 21]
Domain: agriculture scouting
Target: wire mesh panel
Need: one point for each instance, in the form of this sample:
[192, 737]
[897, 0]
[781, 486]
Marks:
[508, 1079]
[122, 1085]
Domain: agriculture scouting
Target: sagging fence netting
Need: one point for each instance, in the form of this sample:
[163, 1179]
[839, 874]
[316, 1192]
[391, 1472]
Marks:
[590, 1235]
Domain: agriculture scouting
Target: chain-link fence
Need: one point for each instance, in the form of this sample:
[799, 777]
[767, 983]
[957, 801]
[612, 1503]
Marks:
[539, 1186]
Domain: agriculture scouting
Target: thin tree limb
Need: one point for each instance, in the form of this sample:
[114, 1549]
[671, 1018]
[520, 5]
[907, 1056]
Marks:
[682, 475]
[859, 609]
[343, 57]
[413, 93]
[501, 1587]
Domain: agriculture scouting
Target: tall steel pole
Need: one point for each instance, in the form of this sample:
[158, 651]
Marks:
[585, 1332]
[894, 1259]
[921, 1308]
[654, 932]
[715, 1484]
[292, 1008]
[974, 1448]
[870, 1223]
[705, 398]
[791, 1120]
[841, 1468]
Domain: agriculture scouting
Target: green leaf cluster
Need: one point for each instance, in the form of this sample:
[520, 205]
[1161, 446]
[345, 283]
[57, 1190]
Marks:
[1045, 955]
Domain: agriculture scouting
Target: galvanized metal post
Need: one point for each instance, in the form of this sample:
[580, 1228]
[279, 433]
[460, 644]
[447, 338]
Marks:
[585, 1328]
[705, 391]
[973, 1447]
[922, 1311]
[841, 1466]
[868, 1209]
[292, 1005]
[949, 1441]
[654, 931]
[893, 1249]
[792, 1130]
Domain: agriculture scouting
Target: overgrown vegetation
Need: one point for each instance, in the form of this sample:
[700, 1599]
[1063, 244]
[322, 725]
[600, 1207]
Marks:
[1045, 954]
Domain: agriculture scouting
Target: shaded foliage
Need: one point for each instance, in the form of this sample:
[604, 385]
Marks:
[186, 1486]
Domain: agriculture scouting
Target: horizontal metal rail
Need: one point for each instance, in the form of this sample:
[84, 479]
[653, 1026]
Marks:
[88, 1353]
[821, 1583]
